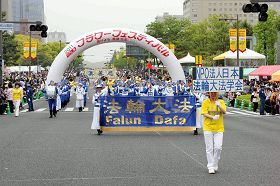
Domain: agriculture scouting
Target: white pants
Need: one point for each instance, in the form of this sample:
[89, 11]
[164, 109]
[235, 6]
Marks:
[213, 142]
[16, 104]
[199, 118]
[58, 103]
[96, 119]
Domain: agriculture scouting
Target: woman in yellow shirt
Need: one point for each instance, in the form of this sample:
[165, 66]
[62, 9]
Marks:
[17, 96]
[213, 110]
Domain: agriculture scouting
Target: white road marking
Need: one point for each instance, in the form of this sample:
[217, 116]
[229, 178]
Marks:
[242, 113]
[23, 111]
[40, 110]
[86, 109]
[70, 109]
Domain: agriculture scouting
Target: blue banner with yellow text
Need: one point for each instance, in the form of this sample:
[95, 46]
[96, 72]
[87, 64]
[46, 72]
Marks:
[158, 111]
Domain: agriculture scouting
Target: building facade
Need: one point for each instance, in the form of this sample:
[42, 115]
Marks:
[198, 10]
[27, 10]
[7, 8]
[56, 37]
[166, 15]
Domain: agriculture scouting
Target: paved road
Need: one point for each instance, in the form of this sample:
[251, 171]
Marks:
[36, 150]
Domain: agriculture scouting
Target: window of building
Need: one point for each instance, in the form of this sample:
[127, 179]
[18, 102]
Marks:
[225, 9]
[230, 4]
[194, 15]
[230, 9]
[235, 4]
[209, 9]
[220, 9]
[225, 4]
[235, 9]
[214, 9]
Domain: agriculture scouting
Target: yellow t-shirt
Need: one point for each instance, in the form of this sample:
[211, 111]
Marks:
[17, 94]
[212, 109]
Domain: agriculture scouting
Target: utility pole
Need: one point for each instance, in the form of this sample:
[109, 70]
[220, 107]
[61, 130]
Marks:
[1, 47]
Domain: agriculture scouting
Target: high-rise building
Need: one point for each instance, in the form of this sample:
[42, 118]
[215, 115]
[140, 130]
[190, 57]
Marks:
[198, 10]
[56, 37]
[27, 10]
[7, 8]
[166, 15]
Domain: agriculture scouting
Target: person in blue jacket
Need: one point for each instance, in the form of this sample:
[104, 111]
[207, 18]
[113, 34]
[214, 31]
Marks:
[29, 96]
[262, 100]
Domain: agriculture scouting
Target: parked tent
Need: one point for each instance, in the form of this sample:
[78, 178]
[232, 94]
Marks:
[187, 59]
[265, 71]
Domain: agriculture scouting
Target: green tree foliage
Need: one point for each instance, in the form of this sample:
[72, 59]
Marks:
[207, 38]
[266, 34]
[11, 54]
[120, 60]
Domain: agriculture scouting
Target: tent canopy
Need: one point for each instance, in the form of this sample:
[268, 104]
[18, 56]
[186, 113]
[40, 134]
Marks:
[221, 56]
[265, 70]
[247, 71]
[276, 75]
[187, 59]
[248, 54]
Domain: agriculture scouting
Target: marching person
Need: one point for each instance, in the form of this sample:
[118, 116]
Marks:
[213, 110]
[80, 92]
[17, 97]
[29, 97]
[51, 93]
[96, 101]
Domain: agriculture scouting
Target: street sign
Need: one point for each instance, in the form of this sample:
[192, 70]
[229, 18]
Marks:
[198, 60]
[6, 26]
[218, 79]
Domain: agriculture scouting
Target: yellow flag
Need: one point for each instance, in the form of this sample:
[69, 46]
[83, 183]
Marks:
[26, 50]
[233, 39]
[34, 50]
[242, 40]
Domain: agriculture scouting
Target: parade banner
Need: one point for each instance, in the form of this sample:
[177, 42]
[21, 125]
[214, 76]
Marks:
[109, 73]
[218, 79]
[159, 113]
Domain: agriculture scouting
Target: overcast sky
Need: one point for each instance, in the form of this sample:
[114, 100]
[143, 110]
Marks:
[77, 17]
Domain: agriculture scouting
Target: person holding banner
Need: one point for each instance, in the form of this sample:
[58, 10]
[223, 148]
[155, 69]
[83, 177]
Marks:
[213, 110]
[96, 101]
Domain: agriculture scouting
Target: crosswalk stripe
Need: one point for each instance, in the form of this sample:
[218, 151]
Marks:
[229, 113]
[69, 109]
[242, 113]
[249, 112]
[40, 110]
[85, 109]
[25, 110]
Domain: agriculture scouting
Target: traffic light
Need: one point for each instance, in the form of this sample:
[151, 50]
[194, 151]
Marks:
[40, 28]
[255, 8]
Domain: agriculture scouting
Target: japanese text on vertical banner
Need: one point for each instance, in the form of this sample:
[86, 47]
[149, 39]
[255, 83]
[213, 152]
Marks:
[218, 79]
[173, 111]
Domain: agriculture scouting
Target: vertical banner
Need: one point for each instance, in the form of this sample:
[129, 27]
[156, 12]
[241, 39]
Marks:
[233, 39]
[34, 50]
[26, 50]
[242, 40]
[198, 60]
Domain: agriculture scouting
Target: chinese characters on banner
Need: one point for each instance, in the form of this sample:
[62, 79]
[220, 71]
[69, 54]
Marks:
[218, 79]
[233, 40]
[117, 36]
[177, 111]
[109, 73]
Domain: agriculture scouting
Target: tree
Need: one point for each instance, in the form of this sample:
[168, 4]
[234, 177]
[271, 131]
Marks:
[266, 34]
[11, 54]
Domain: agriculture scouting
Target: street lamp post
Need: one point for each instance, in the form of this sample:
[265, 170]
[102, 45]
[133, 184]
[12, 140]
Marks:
[237, 37]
